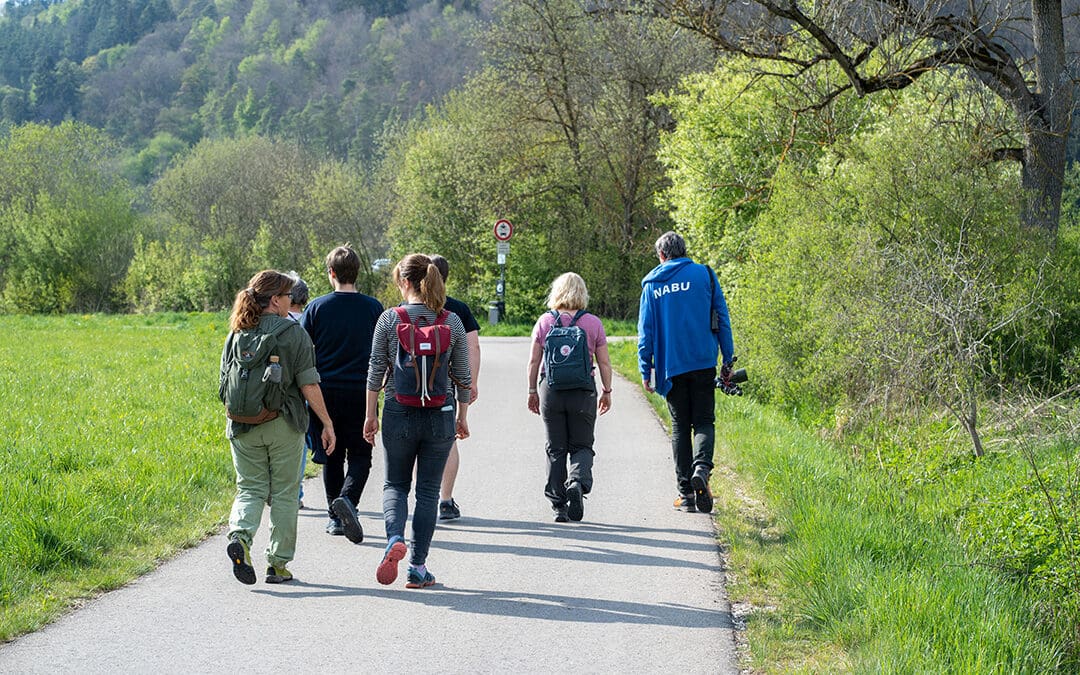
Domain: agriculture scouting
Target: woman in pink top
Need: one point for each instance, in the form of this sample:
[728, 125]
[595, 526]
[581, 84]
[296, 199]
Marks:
[569, 414]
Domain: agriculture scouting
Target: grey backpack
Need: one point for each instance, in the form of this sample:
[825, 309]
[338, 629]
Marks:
[566, 355]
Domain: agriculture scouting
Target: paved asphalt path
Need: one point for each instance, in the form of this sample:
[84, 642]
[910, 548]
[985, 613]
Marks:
[636, 587]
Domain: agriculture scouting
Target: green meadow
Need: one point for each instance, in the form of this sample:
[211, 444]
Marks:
[114, 459]
[839, 563]
[113, 453]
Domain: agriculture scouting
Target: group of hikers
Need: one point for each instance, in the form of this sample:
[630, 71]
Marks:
[293, 379]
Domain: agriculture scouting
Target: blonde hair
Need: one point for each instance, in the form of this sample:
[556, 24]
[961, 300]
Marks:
[424, 276]
[568, 292]
[251, 301]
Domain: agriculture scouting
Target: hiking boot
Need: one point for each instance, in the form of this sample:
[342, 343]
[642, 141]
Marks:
[334, 527]
[685, 503]
[278, 574]
[448, 510]
[559, 512]
[575, 507]
[240, 555]
[413, 578]
[702, 495]
[346, 513]
[395, 551]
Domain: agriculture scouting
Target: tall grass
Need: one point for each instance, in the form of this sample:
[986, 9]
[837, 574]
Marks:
[113, 453]
[847, 569]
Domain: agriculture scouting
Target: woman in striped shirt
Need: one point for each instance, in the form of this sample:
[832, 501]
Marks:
[413, 436]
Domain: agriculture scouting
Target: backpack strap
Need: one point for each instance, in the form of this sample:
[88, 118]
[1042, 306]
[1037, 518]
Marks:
[713, 318]
[558, 318]
[403, 317]
[580, 313]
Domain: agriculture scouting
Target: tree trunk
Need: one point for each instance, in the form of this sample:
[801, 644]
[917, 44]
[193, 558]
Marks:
[1046, 131]
[1042, 179]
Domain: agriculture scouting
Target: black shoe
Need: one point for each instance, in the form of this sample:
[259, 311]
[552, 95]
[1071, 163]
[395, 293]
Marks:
[702, 495]
[559, 512]
[334, 527]
[346, 513]
[240, 555]
[685, 503]
[575, 507]
[448, 510]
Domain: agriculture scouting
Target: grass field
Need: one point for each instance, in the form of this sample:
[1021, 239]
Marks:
[113, 453]
[114, 458]
[838, 566]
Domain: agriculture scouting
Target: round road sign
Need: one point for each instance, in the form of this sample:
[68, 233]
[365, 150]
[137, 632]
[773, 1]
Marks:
[503, 230]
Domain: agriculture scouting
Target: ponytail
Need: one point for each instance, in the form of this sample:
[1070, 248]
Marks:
[432, 289]
[424, 276]
[251, 302]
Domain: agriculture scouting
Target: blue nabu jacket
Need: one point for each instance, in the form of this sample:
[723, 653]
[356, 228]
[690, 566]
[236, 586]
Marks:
[674, 334]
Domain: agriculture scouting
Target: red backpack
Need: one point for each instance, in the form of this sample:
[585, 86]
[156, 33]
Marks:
[422, 366]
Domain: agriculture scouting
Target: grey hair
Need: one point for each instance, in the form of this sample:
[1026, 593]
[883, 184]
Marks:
[671, 245]
[300, 292]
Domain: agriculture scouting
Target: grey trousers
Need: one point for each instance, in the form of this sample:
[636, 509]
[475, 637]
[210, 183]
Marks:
[569, 419]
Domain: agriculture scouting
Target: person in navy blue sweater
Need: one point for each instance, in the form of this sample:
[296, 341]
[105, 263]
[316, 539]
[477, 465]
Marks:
[341, 325]
[678, 339]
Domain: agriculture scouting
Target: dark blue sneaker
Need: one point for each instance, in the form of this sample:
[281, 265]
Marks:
[334, 527]
[343, 508]
[448, 510]
[416, 580]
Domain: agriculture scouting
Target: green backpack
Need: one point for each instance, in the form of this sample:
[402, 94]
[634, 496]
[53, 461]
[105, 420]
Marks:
[250, 386]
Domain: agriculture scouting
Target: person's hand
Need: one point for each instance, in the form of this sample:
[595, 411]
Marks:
[648, 386]
[371, 427]
[725, 374]
[534, 402]
[328, 439]
[604, 404]
[462, 429]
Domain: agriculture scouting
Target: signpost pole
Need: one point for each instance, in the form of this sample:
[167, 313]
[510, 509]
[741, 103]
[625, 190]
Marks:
[503, 231]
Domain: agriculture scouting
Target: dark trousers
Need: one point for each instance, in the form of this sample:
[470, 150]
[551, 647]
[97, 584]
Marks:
[570, 420]
[420, 438]
[346, 408]
[691, 403]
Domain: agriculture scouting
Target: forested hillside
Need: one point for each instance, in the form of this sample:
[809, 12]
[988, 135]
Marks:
[163, 75]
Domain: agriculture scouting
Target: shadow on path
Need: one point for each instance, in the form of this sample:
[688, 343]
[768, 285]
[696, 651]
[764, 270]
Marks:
[526, 605]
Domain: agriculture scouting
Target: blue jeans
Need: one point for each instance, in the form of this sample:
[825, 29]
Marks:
[692, 407]
[420, 438]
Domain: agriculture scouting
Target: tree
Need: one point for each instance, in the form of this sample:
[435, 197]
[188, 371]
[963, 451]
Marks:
[66, 219]
[1016, 49]
[237, 198]
[578, 88]
[887, 277]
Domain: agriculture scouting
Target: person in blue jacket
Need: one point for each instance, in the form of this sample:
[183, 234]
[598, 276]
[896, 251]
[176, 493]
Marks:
[682, 321]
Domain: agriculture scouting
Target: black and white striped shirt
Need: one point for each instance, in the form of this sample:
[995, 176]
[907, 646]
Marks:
[384, 348]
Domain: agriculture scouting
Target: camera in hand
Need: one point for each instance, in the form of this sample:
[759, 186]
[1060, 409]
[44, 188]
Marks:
[731, 386]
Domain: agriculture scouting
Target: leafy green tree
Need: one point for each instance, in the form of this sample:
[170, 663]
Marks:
[894, 275]
[344, 206]
[559, 135]
[66, 220]
[224, 198]
[1018, 51]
